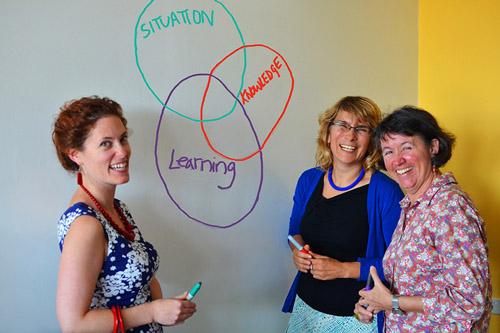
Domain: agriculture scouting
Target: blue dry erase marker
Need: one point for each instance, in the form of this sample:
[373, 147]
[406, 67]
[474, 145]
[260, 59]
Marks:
[368, 286]
[368, 282]
[297, 245]
[192, 293]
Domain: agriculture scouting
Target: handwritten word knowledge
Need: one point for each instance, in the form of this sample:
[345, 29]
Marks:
[266, 77]
[177, 18]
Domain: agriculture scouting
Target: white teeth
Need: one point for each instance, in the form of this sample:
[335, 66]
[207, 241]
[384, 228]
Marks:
[347, 148]
[119, 166]
[403, 171]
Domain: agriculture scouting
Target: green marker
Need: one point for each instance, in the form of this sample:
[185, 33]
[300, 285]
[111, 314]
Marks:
[192, 293]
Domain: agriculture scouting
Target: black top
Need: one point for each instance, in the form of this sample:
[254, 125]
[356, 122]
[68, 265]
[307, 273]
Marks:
[337, 228]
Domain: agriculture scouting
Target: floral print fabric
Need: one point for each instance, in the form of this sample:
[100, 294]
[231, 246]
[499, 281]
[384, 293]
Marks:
[438, 251]
[127, 269]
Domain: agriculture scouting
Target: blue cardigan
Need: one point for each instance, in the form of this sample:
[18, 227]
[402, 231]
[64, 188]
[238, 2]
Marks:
[383, 208]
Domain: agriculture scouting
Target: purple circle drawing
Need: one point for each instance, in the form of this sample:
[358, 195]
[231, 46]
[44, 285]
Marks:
[256, 140]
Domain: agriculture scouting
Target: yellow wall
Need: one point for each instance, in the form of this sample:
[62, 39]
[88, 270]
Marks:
[459, 82]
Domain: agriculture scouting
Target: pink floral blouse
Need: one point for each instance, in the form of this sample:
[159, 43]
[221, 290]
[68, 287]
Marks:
[438, 251]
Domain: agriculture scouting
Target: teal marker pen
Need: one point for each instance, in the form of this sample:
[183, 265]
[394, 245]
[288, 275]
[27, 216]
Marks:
[192, 293]
[297, 245]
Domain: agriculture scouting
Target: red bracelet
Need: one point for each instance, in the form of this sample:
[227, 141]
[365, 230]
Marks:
[120, 320]
[115, 319]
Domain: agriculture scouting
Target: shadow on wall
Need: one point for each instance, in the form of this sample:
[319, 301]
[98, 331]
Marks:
[471, 170]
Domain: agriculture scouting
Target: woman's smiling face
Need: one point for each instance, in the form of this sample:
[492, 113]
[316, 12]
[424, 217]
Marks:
[408, 159]
[104, 159]
[348, 145]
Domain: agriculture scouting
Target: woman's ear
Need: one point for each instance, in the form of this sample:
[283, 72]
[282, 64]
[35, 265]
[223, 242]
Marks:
[434, 147]
[74, 155]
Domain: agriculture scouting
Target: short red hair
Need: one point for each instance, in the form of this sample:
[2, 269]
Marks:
[74, 122]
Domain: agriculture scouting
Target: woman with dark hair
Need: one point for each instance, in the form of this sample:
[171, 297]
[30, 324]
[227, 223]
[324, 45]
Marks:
[344, 214]
[106, 277]
[437, 262]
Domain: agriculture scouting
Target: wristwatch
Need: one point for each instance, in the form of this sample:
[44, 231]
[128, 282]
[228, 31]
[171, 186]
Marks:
[395, 305]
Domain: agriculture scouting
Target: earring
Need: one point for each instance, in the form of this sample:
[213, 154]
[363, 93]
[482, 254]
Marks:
[433, 163]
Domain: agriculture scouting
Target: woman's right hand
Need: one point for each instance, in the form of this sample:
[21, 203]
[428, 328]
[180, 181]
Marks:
[302, 260]
[172, 311]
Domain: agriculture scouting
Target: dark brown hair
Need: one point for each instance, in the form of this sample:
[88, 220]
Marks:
[410, 121]
[74, 122]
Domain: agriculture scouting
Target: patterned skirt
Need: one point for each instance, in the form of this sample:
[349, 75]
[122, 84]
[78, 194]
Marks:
[306, 319]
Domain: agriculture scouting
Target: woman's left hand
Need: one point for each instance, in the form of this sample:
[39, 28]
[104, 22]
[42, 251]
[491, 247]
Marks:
[379, 298]
[326, 268]
[363, 314]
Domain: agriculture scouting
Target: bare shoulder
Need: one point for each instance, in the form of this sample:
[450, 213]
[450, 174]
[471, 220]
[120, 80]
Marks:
[85, 231]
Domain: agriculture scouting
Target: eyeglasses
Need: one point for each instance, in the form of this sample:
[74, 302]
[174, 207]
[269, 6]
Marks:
[344, 127]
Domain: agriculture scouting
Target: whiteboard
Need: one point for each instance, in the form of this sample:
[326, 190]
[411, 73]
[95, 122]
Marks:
[213, 195]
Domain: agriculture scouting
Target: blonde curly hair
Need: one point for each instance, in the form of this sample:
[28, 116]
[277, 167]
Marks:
[363, 108]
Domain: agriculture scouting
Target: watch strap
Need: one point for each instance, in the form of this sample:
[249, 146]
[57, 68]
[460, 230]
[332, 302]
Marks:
[395, 305]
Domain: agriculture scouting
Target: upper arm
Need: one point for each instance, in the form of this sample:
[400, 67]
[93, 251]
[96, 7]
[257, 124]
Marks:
[464, 277]
[299, 198]
[391, 209]
[461, 242]
[155, 287]
[384, 196]
[81, 261]
[293, 227]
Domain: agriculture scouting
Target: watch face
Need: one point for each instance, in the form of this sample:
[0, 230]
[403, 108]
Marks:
[397, 311]
[395, 305]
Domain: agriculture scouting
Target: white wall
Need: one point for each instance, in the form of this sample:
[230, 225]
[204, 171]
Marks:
[53, 51]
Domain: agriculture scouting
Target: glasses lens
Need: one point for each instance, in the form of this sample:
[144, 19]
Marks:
[342, 125]
[362, 130]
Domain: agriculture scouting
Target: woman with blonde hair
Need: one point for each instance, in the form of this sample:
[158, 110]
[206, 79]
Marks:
[344, 214]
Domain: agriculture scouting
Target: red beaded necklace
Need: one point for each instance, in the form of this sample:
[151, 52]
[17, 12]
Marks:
[128, 233]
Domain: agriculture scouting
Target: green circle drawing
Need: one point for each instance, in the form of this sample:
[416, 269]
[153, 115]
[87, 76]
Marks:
[154, 93]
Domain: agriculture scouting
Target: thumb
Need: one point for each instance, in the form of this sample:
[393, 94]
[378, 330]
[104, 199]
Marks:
[182, 296]
[307, 250]
[373, 273]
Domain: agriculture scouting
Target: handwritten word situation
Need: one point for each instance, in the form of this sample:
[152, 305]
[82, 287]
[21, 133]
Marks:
[266, 77]
[175, 18]
[203, 165]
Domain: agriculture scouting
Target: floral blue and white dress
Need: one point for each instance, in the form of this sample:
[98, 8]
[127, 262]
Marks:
[127, 269]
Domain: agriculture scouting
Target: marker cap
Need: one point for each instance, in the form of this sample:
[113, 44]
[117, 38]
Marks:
[192, 293]
[297, 245]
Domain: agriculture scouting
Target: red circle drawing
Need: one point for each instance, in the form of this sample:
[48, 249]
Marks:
[207, 139]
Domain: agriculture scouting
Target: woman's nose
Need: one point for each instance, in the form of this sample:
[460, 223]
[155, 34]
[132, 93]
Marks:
[351, 133]
[123, 149]
[399, 159]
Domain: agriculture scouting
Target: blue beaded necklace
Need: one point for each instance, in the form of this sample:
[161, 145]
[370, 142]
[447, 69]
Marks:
[356, 181]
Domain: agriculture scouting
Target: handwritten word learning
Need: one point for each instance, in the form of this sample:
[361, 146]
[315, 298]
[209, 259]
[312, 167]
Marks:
[203, 165]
